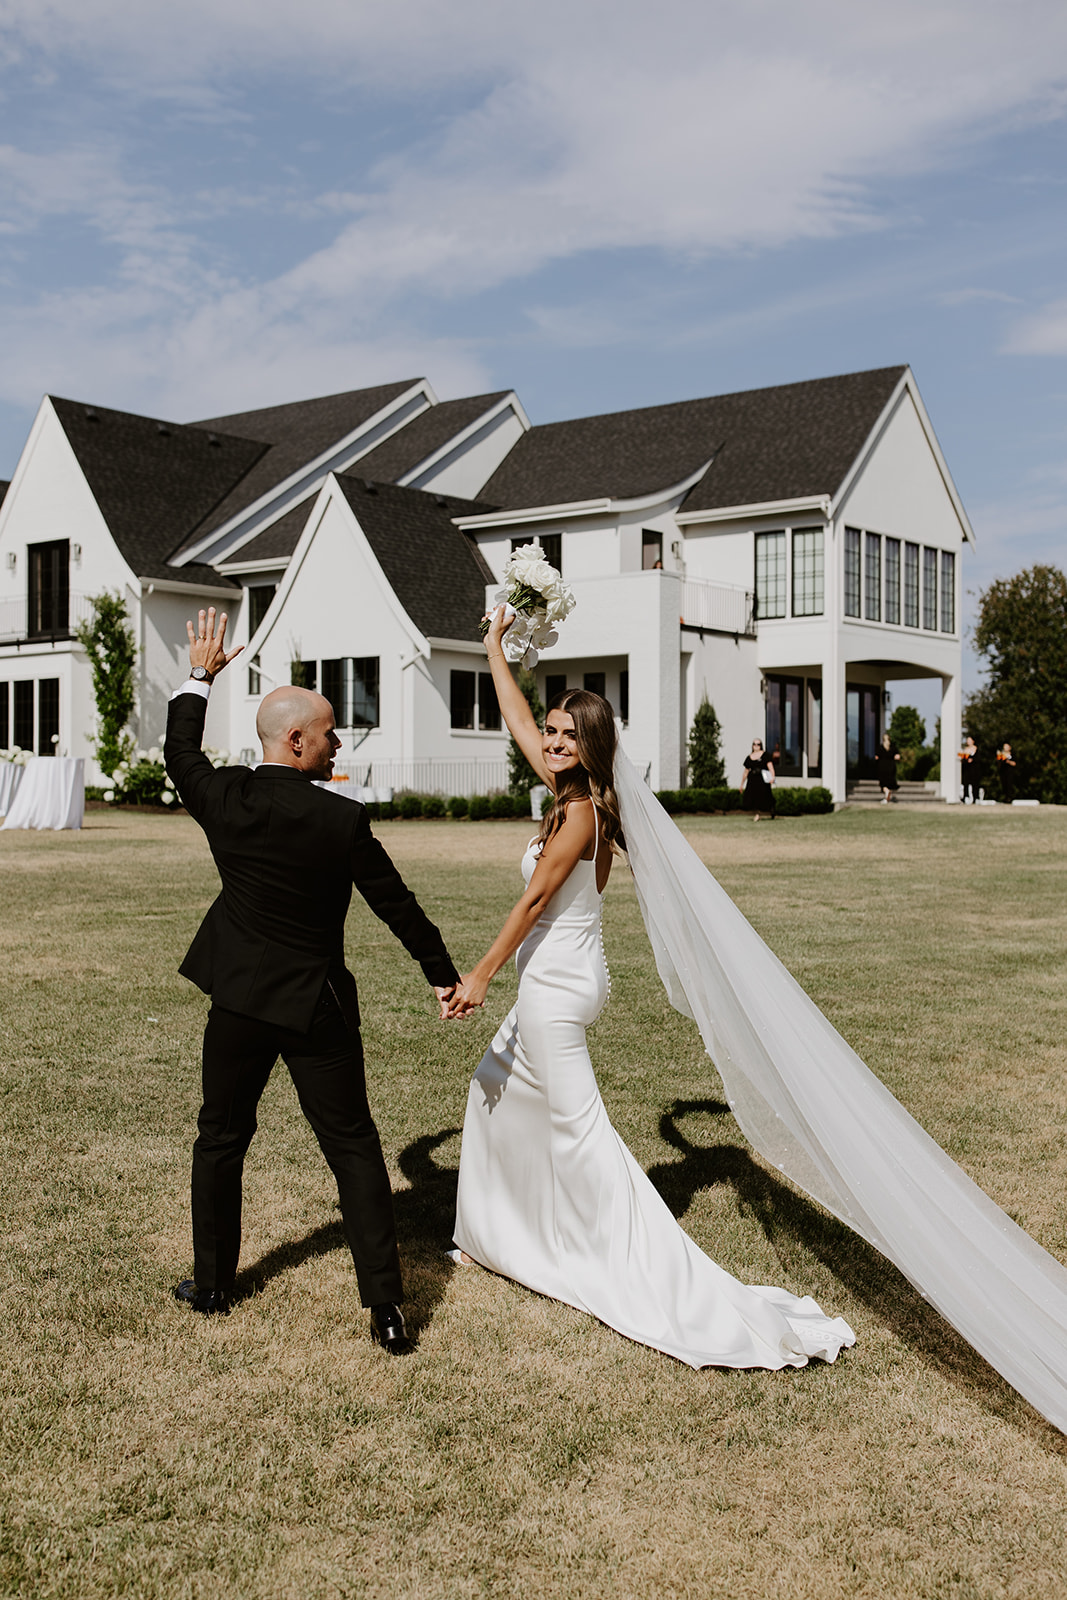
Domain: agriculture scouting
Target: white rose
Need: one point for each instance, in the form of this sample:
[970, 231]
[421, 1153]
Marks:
[167, 798]
[109, 795]
[168, 783]
[155, 754]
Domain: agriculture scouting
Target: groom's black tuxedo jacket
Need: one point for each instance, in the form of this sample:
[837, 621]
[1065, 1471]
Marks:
[288, 855]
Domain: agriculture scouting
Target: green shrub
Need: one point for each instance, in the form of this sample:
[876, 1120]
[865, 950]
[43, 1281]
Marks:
[386, 810]
[458, 806]
[433, 806]
[409, 806]
[479, 807]
[503, 805]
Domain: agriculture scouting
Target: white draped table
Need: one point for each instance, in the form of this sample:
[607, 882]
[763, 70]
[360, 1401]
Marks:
[10, 778]
[51, 794]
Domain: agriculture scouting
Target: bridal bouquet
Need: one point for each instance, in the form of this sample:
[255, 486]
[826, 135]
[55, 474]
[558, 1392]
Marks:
[538, 599]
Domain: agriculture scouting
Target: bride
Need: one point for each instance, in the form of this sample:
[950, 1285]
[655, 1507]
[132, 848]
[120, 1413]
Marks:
[548, 1193]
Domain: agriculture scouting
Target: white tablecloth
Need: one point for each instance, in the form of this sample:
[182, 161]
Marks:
[10, 778]
[51, 794]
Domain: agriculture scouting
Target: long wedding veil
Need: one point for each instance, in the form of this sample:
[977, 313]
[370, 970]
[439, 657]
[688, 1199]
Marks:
[808, 1104]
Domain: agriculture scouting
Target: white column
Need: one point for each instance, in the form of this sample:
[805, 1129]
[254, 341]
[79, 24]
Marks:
[665, 765]
[833, 726]
[951, 737]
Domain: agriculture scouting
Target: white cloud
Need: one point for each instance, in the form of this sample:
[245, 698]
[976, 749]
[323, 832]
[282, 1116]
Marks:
[537, 133]
[1043, 333]
[967, 297]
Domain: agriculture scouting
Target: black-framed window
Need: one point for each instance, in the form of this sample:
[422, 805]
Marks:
[814, 727]
[808, 572]
[872, 575]
[785, 725]
[47, 716]
[23, 696]
[892, 580]
[948, 592]
[624, 694]
[5, 715]
[595, 682]
[304, 674]
[770, 575]
[555, 683]
[651, 549]
[852, 572]
[551, 544]
[911, 585]
[488, 704]
[259, 599]
[351, 685]
[255, 682]
[463, 693]
[929, 587]
[49, 589]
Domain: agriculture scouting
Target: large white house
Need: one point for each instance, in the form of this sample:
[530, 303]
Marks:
[785, 551]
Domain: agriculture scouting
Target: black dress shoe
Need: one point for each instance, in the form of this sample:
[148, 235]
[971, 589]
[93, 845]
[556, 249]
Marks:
[387, 1328]
[209, 1302]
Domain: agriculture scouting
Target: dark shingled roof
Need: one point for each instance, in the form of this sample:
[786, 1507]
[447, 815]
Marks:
[279, 540]
[153, 481]
[291, 436]
[436, 570]
[767, 444]
[423, 436]
[5, 484]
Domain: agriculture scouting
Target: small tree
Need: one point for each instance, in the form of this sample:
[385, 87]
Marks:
[706, 770]
[521, 776]
[110, 645]
[907, 729]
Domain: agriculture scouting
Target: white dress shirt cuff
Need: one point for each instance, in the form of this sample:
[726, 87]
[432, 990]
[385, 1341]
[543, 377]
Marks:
[191, 686]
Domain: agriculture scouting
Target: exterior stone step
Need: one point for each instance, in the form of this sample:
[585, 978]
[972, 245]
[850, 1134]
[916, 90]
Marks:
[866, 792]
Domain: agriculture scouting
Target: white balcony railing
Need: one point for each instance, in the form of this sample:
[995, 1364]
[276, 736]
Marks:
[718, 607]
[15, 617]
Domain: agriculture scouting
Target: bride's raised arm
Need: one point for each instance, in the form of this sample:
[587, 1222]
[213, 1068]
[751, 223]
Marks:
[513, 705]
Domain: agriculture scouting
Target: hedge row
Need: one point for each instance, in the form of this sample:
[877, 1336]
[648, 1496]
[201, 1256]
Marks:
[477, 807]
[793, 802]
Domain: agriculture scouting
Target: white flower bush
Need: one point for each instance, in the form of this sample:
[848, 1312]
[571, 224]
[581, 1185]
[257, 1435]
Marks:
[536, 593]
[16, 755]
[143, 780]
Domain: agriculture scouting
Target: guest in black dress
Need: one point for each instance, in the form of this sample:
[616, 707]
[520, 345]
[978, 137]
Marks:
[886, 766]
[970, 771]
[757, 790]
[1007, 772]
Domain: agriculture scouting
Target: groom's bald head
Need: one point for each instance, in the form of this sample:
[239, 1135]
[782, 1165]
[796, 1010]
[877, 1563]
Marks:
[296, 728]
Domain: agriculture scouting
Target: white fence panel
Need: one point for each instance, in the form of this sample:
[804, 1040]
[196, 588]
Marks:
[435, 775]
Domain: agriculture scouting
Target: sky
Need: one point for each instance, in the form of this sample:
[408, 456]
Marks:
[232, 203]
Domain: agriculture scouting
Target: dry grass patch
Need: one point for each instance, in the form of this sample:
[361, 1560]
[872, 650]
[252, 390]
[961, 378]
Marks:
[523, 1449]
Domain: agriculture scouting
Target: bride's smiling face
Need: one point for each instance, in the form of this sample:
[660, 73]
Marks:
[558, 744]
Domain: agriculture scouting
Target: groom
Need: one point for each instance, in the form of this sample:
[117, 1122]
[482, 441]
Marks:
[270, 953]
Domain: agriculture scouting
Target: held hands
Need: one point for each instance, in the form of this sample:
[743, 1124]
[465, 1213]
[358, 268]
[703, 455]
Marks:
[207, 648]
[450, 1005]
[468, 994]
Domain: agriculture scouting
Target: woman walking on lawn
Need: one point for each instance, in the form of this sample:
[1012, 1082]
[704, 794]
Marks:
[757, 785]
[548, 1193]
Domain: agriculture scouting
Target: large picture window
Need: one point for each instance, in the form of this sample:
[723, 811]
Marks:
[488, 704]
[911, 585]
[23, 730]
[473, 701]
[785, 725]
[350, 684]
[929, 587]
[892, 580]
[47, 716]
[948, 592]
[808, 579]
[49, 589]
[872, 572]
[852, 572]
[770, 575]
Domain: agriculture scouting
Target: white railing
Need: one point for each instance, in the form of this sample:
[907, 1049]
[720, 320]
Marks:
[14, 620]
[434, 775]
[718, 607]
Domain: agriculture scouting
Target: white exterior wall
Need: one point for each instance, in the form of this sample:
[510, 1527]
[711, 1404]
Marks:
[899, 489]
[722, 553]
[726, 670]
[464, 471]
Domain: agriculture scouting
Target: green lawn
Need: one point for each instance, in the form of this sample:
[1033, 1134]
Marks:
[523, 1450]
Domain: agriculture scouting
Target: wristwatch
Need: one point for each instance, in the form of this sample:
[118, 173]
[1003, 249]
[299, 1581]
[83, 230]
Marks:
[200, 675]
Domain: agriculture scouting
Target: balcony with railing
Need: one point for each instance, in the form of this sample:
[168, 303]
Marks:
[718, 607]
[19, 625]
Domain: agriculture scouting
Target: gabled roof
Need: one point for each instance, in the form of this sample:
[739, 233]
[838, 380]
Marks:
[436, 571]
[276, 542]
[763, 445]
[424, 435]
[291, 436]
[153, 480]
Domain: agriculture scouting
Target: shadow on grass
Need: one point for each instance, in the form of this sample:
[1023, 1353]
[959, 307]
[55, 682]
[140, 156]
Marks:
[424, 1216]
[795, 1225]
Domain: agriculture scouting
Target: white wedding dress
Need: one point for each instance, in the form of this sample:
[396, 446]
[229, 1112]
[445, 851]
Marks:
[550, 1196]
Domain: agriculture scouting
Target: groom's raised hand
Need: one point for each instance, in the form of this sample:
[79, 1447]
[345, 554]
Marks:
[207, 647]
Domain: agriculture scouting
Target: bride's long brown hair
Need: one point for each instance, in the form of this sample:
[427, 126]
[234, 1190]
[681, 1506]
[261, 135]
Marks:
[596, 739]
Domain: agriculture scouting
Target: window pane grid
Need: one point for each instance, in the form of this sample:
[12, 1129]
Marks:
[808, 578]
[350, 684]
[948, 592]
[929, 588]
[770, 575]
[852, 572]
[892, 580]
[873, 576]
[911, 585]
